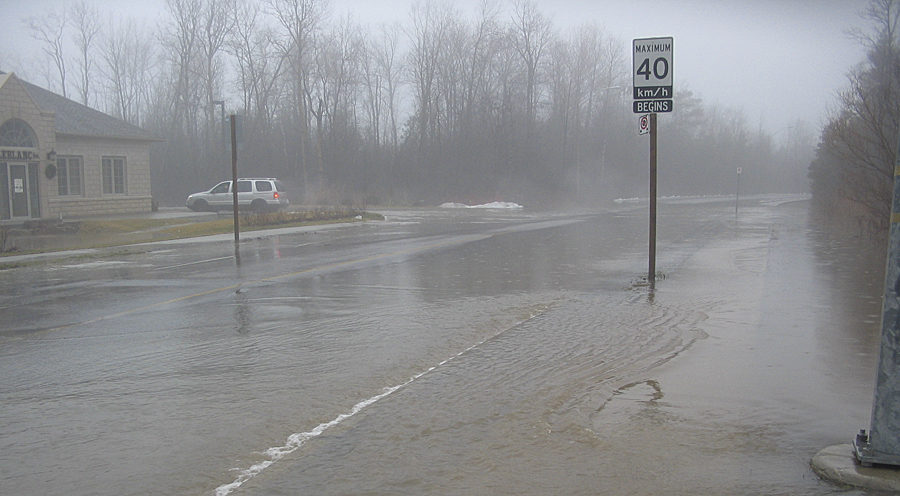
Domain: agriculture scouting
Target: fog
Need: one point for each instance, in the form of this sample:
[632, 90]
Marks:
[429, 102]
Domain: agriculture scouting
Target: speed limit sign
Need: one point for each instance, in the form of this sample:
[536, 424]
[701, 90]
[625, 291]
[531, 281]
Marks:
[652, 71]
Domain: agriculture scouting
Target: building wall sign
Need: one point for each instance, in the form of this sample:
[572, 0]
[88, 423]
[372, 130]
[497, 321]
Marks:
[23, 155]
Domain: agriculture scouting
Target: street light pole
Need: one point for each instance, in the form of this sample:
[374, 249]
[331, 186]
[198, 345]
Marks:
[234, 189]
[220, 103]
[221, 127]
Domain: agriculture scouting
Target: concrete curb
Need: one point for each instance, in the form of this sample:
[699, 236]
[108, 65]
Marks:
[838, 464]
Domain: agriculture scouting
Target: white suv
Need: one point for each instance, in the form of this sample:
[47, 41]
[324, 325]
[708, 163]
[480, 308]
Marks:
[256, 193]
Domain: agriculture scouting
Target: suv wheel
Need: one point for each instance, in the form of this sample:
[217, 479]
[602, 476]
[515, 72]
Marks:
[259, 206]
[200, 206]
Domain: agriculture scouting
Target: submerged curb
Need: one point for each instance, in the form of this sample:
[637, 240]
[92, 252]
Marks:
[838, 464]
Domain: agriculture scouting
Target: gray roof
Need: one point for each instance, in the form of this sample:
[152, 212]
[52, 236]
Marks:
[77, 119]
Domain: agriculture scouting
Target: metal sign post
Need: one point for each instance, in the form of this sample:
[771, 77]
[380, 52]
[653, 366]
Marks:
[652, 71]
[882, 443]
[651, 270]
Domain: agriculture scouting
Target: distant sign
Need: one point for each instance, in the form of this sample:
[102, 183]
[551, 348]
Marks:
[652, 72]
[644, 125]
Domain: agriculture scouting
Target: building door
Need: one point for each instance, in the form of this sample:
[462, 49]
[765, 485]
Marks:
[19, 182]
[18, 190]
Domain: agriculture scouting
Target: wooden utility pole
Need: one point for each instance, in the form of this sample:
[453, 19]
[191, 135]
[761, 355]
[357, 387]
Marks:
[234, 190]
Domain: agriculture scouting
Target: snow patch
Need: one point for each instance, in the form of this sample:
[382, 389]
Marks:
[492, 205]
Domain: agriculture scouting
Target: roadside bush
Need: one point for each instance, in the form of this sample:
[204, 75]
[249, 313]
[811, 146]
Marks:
[293, 216]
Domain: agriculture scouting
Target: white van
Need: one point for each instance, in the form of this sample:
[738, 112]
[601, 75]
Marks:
[256, 193]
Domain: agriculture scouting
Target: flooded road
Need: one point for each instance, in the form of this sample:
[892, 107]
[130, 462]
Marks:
[446, 352]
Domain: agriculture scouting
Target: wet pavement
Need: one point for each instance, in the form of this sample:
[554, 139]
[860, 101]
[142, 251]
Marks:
[447, 352]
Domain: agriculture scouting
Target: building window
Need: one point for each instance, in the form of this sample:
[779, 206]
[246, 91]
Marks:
[68, 176]
[113, 176]
[17, 133]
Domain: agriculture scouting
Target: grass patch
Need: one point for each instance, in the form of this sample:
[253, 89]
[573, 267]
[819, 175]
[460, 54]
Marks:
[257, 222]
[88, 256]
[14, 265]
[108, 233]
[208, 228]
[122, 226]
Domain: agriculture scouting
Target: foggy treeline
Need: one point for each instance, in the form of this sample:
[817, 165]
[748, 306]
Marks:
[853, 171]
[492, 102]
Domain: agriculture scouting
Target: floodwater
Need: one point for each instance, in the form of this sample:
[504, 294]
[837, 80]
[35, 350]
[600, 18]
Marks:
[447, 352]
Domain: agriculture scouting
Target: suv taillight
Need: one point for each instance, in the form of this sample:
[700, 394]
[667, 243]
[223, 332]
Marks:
[275, 195]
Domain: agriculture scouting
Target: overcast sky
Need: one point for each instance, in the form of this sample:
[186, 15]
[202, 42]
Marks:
[777, 60]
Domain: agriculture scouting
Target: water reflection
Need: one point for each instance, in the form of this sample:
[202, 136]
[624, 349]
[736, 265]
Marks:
[851, 269]
[243, 314]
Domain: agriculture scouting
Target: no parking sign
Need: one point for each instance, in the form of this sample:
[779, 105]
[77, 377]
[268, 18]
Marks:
[644, 125]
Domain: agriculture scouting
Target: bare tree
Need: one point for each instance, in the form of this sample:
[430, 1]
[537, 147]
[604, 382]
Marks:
[428, 35]
[49, 29]
[490, 104]
[301, 19]
[863, 136]
[531, 34]
[11, 62]
[333, 89]
[373, 88]
[181, 40]
[129, 62]
[486, 42]
[860, 139]
[565, 87]
[86, 20]
[216, 21]
[181, 104]
[388, 74]
[259, 64]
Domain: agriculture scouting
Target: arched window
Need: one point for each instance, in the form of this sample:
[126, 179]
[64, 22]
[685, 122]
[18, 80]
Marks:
[17, 133]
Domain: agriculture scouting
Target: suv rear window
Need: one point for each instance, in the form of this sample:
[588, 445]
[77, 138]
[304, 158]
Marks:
[263, 186]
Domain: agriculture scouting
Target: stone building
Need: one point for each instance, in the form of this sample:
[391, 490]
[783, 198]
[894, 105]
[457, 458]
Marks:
[61, 159]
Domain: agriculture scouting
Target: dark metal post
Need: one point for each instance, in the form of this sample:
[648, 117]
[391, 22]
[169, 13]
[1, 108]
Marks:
[651, 275]
[882, 444]
[234, 189]
[737, 196]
